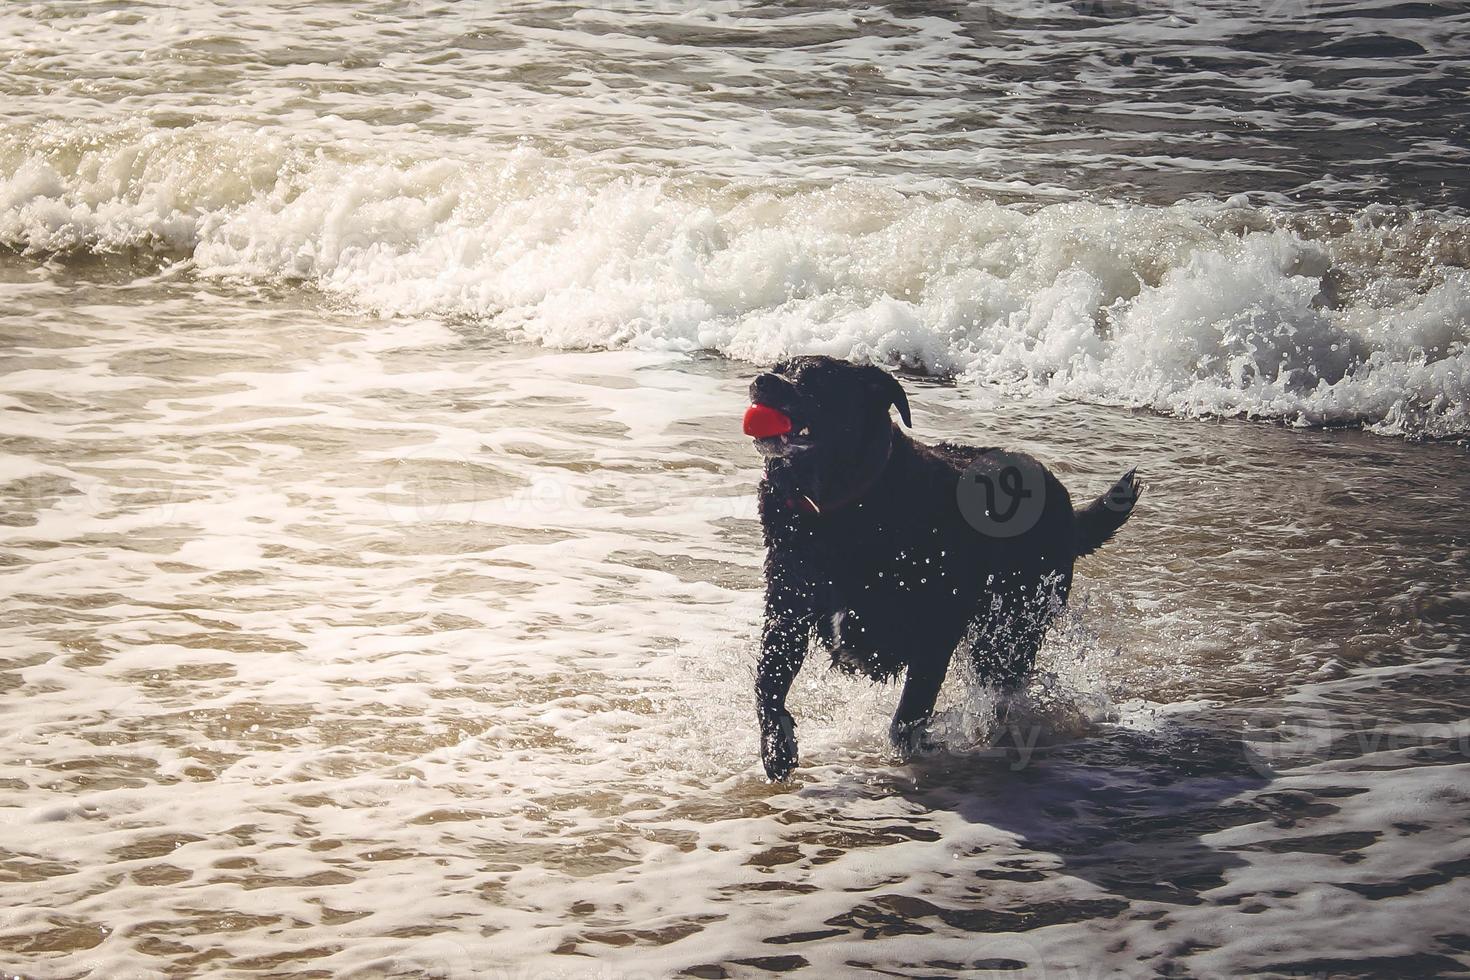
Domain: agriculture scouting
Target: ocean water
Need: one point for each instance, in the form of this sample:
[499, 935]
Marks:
[380, 572]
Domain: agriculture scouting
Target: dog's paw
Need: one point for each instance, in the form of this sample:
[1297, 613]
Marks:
[778, 746]
[911, 738]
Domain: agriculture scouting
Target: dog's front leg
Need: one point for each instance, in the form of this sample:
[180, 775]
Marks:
[909, 731]
[783, 648]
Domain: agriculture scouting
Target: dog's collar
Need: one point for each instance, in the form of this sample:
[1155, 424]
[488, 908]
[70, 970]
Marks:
[803, 504]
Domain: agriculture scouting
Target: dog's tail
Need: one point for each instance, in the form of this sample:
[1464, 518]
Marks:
[1097, 522]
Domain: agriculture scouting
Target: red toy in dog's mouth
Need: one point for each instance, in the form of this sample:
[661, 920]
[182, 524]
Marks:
[765, 422]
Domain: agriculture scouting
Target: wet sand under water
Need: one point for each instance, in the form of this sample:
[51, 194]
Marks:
[336, 646]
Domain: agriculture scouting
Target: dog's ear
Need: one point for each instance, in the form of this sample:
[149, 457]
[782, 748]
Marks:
[886, 390]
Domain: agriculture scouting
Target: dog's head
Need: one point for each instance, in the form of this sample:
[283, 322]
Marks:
[823, 426]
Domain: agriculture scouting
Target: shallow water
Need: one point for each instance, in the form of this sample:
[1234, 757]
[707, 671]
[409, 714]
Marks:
[349, 645]
[380, 572]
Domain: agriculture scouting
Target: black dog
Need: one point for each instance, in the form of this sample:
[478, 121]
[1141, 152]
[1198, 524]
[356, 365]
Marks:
[893, 552]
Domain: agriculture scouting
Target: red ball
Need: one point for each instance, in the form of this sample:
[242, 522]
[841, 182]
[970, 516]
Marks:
[763, 421]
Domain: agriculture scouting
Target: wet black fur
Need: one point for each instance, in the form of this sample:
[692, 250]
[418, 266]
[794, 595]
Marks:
[868, 552]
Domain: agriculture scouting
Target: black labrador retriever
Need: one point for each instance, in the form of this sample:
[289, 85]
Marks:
[892, 552]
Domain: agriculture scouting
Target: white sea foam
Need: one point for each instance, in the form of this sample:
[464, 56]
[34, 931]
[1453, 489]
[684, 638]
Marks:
[1191, 309]
[374, 648]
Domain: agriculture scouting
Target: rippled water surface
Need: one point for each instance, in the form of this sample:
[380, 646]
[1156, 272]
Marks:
[380, 572]
[1358, 101]
[339, 644]
[1223, 209]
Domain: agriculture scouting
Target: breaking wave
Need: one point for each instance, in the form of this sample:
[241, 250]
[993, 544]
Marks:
[1309, 317]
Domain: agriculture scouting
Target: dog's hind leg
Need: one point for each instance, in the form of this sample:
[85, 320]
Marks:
[1007, 635]
[909, 731]
[1005, 645]
[1005, 663]
[1003, 659]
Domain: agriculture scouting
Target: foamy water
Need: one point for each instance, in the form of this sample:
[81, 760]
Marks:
[378, 647]
[1157, 211]
[381, 577]
[1225, 309]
